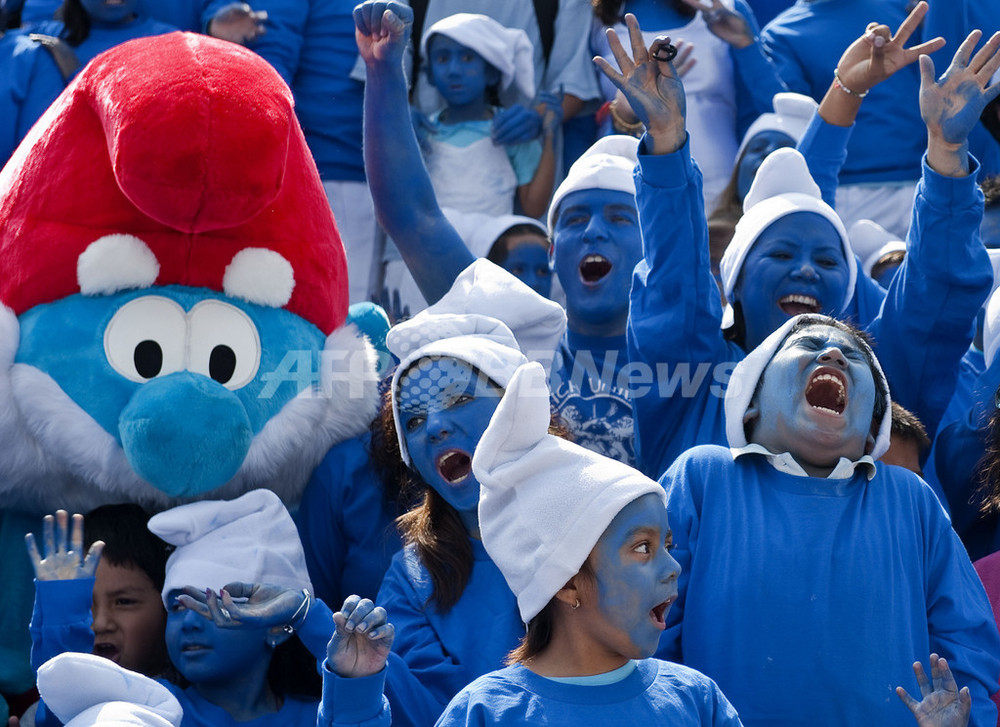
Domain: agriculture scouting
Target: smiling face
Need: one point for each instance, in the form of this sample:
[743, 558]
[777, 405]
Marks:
[796, 265]
[459, 74]
[816, 399]
[208, 655]
[444, 408]
[596, 245]
[129, 619]
[635, 581]
[754, 153]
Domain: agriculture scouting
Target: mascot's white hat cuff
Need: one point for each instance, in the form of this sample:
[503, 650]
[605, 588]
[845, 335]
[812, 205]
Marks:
[792, 114]
[509, 50]
[84, 690]
[746, 375]
[488, 319]
[544, 501]
[783, 186]
[251, 539]
[608, 164]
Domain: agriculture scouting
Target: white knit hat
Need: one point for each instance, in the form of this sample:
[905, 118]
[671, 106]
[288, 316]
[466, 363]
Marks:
[746, 375]
[479, 230]
[84, 690]
[509, 50]
[488, 319]
[792, 114]
[544, 501]
[608, 164]
[872, 260]
[870, 241]
[991, 329]
[782, 187]
[251, 539]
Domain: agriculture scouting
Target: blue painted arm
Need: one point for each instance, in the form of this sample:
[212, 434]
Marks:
[401, 188]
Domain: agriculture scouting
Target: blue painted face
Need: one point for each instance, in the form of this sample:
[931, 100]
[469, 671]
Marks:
[816, 399]
[886, 274]
[145, 363]
[110, 11]
[636, 578]
[459, 74]
[528, 261]
[444, 408]
[207, 654]
[754, 153]
[596, 245]
[796, 265]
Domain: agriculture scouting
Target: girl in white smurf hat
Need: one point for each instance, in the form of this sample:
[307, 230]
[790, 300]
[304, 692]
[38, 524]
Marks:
[584, 543]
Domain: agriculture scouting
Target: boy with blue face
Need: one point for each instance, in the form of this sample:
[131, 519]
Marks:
[791, 254]
[592, 219]
[797, 548]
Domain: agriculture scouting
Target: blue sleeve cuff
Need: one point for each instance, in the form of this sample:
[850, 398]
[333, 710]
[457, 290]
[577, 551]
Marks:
[823, 135]
[949, 191]
[665, 171]
[316, 630]
[65, 602]
[351, 700]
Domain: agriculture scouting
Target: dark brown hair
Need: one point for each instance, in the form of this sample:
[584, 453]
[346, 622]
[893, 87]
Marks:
[501, 246]
[538, 633]
[906, 425]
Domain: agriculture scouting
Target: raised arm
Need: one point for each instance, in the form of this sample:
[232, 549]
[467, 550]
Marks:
[401, 188]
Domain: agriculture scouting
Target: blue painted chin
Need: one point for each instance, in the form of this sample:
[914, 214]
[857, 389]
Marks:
[185, 434]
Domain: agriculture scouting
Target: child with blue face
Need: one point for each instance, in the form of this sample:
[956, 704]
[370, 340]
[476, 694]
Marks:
[585, 543]
[790, 253]
[793, 543]
[454, 366]
[469, 58]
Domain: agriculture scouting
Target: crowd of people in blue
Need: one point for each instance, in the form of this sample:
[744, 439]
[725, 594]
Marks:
[690, 408]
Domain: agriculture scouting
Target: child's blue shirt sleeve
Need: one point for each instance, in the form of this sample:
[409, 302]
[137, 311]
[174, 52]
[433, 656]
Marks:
[358, 701]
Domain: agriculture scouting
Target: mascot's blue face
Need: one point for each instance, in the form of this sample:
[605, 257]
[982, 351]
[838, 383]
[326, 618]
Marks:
[183, 378]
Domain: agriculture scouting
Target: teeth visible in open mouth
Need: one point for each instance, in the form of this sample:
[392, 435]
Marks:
[594, 267]
[796, 304]
[827, 392]
[454, 466]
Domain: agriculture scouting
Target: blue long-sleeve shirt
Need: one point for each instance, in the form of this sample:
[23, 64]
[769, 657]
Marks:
[29, 83]
[807, 599]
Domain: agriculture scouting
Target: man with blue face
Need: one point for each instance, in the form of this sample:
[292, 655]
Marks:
[797, 548]
[592, 219]
[790, 253]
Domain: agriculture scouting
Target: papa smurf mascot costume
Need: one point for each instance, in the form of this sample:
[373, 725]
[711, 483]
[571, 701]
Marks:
[173, 290]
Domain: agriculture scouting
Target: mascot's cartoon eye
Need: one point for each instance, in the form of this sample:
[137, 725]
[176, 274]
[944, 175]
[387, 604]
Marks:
[224, 343]
[146, 338]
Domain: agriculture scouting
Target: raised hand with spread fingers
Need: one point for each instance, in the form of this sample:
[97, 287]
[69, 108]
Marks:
[63, 556]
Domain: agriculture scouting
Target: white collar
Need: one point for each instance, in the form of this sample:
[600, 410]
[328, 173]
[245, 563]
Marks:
[784, 462]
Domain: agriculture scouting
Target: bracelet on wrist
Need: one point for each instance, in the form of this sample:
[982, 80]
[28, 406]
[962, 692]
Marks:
[295, 621]
[837, 83]
[625, 127]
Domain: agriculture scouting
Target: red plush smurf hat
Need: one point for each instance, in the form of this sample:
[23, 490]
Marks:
[173, 159]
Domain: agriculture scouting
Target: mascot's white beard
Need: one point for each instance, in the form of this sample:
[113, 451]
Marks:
[55, 455]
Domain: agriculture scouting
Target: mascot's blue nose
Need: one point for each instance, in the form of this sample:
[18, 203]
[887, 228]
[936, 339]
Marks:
[185, 434]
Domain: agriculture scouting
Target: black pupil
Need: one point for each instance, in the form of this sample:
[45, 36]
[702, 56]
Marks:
[148, 358]
[222, 364]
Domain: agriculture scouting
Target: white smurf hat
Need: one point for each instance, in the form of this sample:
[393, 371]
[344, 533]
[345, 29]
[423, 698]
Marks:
[792, 114]
[608, 164]
[991, 329]
[509, 50]
[489, 319]
[746, 375]
[544, 501]
[251, 539]
[782, 187]
[84, 690]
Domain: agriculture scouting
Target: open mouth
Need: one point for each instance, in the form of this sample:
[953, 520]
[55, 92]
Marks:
[593, 268]
[454, 466]
[827, 392]
[659, 613]
[193, 648]
[793, 305]
[108, 651]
